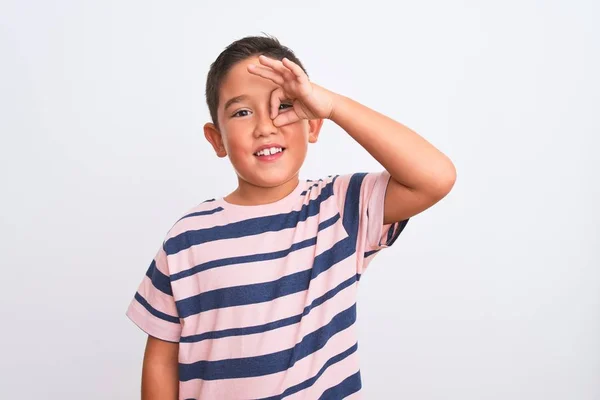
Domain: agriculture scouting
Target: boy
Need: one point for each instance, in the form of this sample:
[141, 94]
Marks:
[253, 295]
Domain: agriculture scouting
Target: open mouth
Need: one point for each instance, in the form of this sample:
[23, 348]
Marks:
[271, 151]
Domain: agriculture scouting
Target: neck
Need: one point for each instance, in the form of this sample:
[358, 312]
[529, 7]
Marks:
[248, 194]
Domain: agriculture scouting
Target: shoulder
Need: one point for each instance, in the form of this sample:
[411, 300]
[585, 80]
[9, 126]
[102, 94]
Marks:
[201, 216]
[355, 187]
[339, 184]
[316, 188]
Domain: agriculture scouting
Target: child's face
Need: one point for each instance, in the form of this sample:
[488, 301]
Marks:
[245, 126]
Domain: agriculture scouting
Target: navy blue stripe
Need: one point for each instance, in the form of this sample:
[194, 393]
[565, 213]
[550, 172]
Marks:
[399, 228]
[309, 382]
[268, 363]
[249, 330]
[267, 291]
[391, 231]
[351, 205]
[309, 189]
[154, 311]
[351, 384]
[159, 280]
[254, 257]
[329, 222]
[253, 226]
[200, 213]
[370, 253]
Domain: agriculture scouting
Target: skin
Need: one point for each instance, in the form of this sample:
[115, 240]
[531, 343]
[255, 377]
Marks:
[160, 375]
[247, 124]
[280, 105]
[421, 175]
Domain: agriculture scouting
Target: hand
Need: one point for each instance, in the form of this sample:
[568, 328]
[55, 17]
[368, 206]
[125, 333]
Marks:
[309, 100]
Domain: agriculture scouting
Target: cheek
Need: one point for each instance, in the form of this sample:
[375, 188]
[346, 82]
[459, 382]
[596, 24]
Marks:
[235, 147]
[297, 132]
[236, 144]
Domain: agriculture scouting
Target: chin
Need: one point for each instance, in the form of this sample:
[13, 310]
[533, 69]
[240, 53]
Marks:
[274, 176]
[273, 181]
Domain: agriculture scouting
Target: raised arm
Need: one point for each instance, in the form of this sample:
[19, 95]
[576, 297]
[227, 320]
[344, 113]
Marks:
[420, 174]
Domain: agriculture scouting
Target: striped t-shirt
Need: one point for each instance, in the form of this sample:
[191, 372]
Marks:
[262, 299]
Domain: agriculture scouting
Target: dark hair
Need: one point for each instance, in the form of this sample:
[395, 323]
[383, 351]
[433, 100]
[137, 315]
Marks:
[236, 52]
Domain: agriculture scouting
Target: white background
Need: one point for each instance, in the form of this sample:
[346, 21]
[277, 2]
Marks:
[492, 294]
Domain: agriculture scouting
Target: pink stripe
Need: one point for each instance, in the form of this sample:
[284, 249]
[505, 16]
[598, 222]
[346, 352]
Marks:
[340, 188]
[243, 274]
[196, 222]
[161, 261]
[258, 271]
[261, 313]
[270, 341]
[152, 325]
[192, 223]
[332, 376]
[375, 229]
[246, 245]
[273, 384]
[157, 299]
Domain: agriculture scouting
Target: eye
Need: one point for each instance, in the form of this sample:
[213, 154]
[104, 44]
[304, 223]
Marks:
[238, 113]
[283, 106]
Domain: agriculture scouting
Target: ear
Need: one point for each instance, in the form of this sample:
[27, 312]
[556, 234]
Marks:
[212, 134]
[314, 128]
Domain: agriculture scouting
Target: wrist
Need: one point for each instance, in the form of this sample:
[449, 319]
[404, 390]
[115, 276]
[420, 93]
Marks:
[337, 101]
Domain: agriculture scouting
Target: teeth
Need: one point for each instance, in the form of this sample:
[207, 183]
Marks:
[269, 151]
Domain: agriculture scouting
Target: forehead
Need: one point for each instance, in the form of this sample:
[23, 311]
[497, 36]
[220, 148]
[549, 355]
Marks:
[239, 81]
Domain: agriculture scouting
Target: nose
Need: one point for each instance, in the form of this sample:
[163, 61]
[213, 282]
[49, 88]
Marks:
[264, 125]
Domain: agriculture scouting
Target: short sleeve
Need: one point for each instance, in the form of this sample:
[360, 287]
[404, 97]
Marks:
[361, 199]
[153, 307]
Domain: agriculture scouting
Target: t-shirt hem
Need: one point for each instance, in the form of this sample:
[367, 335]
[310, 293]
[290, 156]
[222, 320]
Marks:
[135, 313]
[376, 241]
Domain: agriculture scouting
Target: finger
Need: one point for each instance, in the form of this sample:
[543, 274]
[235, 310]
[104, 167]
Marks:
[296, 69]
[277, 66]
[286, 118]
[266, 73]
[277, 96]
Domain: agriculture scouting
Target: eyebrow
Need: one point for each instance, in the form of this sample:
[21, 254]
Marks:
[233, 100]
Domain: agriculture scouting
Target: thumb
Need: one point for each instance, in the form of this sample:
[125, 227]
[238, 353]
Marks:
[288, 117]
[277, 96]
